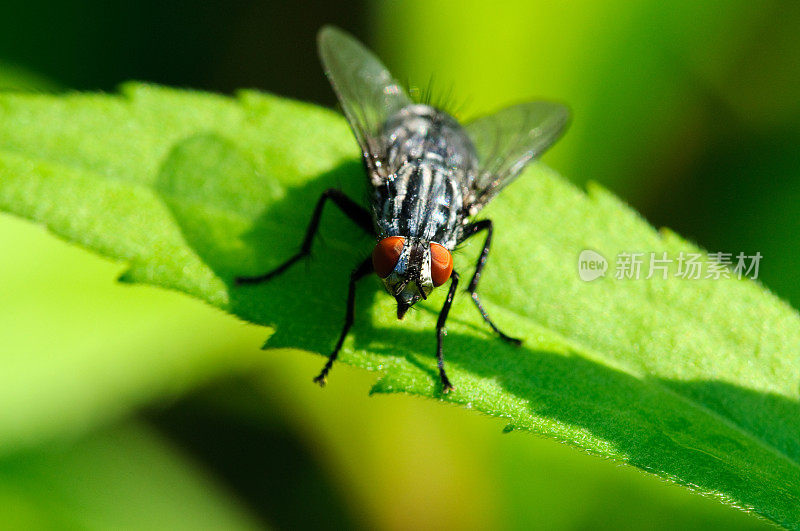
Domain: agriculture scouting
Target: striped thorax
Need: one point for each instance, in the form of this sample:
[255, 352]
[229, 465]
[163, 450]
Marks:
[430, 164]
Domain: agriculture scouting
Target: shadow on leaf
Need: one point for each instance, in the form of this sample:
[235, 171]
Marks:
[708, 435]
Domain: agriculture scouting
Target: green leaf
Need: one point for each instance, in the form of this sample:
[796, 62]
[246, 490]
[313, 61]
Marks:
[121, 478]
[79, 350]
[696, 381]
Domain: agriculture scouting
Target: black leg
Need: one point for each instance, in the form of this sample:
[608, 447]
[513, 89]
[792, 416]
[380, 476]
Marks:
[351, 209]
[446, 385]
[357, 274]
[471, 230]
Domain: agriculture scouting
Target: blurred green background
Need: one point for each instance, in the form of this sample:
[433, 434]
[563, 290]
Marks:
[689, 111]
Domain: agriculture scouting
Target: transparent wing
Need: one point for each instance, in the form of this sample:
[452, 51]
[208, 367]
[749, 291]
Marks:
[508, 140]
[368, 93]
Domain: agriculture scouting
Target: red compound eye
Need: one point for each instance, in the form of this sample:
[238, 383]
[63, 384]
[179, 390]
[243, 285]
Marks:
[386, 254]
[441, 264]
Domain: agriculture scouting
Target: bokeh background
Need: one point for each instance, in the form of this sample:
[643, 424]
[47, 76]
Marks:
[690, 111]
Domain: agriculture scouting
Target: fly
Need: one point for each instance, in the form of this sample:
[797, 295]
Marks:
[429, 177]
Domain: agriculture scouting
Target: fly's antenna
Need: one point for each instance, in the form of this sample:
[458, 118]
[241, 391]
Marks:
[421, 291]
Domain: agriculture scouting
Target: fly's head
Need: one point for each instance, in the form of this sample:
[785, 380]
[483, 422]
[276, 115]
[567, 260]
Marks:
[410, 268]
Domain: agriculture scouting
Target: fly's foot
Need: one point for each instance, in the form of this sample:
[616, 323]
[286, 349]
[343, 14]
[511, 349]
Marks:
[508, 339]
[446, 385]
[322, 377]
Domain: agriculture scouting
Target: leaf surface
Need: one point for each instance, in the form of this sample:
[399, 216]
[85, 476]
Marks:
[694, 380]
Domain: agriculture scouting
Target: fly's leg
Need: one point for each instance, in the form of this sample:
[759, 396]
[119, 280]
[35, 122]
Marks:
[357, 274]
[446, 385]
[469, 231]
[350, 208]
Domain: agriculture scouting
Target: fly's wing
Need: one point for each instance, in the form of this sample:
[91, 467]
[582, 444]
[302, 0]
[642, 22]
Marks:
[508, 140]
[366, 90]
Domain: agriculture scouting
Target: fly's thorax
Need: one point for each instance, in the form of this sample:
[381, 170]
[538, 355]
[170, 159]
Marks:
[422, 200]
[410, 268]
[430, 164]
[419, 130]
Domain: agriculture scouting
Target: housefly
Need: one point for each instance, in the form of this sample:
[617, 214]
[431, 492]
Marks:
[429, 177]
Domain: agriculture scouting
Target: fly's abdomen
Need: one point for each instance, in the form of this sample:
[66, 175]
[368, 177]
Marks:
[430, 163]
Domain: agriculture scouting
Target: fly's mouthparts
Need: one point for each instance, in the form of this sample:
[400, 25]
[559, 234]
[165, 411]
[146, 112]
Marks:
[402, 308]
